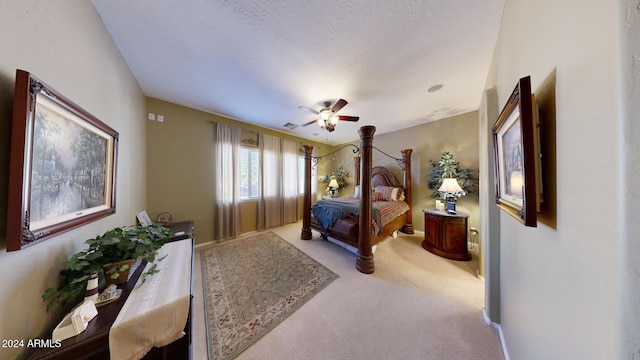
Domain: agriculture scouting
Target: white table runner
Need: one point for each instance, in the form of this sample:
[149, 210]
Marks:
[155, 312]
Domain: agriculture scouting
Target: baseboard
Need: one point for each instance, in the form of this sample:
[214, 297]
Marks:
[497, 326]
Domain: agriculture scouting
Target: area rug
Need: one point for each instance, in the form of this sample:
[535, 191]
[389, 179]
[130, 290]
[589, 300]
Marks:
[251, 285]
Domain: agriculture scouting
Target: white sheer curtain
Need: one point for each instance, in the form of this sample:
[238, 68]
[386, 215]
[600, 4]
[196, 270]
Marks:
[278, 200]
[228, 182]
[271, 176]
[290, 181]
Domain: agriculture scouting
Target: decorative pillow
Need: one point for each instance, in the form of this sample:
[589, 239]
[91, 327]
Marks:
[389, 193]
[386, 192]
[375, 196]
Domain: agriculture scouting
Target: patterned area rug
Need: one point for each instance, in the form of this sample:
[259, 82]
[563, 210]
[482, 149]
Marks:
[253, 284]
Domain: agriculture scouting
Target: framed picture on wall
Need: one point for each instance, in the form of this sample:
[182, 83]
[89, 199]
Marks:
[62, 170]
[516, 156]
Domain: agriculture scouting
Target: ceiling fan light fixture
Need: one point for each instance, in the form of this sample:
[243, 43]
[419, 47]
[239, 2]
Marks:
[328, 116]
[325, 114]
[334, 119]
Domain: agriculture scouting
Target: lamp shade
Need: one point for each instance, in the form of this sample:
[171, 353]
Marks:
[450, 185]
[333, 184]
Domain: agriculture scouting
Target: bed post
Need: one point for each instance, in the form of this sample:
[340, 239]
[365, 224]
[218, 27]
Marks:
[356, 169]
[306, 205]
[364, 264]
[406, 157]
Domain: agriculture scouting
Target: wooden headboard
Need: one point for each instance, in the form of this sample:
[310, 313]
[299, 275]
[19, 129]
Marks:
[381, 176]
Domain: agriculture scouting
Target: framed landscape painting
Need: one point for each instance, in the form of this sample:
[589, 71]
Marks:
[516, 156]
[62, 170]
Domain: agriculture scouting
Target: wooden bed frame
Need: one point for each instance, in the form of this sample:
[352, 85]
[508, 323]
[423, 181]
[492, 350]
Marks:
[356, 231]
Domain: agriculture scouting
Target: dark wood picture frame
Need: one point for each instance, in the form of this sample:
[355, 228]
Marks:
[62, 168]
[516, 156]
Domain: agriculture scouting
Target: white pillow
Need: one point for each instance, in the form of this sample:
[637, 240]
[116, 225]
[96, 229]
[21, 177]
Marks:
[356, 191]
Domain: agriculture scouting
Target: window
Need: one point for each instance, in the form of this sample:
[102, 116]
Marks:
[249, 173]
[301, 175]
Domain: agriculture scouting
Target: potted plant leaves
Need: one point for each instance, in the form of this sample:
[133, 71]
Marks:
[448, 167]
[113, 255]
[341, 175]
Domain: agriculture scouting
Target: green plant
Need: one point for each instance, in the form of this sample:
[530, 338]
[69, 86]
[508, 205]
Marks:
[115, 245]
[447, 167]
[341, 176]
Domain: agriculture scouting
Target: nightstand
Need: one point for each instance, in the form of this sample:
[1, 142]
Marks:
[446, 234]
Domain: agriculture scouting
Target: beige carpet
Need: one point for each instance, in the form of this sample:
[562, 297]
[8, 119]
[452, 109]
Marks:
[415, 306]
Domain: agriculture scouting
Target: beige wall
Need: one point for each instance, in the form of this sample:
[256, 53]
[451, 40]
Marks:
[185, 187]
[561, 288]
[180, 165]
[65, 45]
[457, 135]
[630, 130]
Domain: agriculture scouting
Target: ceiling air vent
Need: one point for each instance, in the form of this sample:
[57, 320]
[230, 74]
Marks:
[290, 126]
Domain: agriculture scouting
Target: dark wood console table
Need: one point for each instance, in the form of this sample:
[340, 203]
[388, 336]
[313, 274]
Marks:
[183, 229]
[446, 234]
[93, 343]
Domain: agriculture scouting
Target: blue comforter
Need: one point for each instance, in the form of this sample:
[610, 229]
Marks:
[326, 212]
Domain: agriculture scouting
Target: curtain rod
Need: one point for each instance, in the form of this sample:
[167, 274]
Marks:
[240, 127]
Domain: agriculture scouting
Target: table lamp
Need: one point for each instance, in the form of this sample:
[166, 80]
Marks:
[333, 185]
[450, 187]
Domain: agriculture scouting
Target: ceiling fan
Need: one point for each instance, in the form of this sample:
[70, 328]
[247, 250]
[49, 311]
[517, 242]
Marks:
[328, 117]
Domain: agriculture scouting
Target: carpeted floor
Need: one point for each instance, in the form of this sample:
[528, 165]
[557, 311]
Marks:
[416, 305]
[251, 285]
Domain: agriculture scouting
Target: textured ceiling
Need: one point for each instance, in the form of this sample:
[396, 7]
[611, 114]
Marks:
[258, 60]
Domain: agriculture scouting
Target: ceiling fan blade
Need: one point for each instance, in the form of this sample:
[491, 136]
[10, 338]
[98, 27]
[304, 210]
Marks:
[310, 122]
[308, 109]
[339, 105]
[348, 118]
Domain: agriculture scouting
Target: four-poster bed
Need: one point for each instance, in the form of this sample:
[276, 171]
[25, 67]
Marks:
[367, 219]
